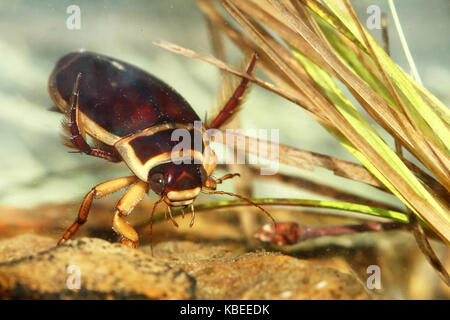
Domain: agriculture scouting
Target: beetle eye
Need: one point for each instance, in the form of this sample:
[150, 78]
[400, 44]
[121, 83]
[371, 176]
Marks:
[156, 182]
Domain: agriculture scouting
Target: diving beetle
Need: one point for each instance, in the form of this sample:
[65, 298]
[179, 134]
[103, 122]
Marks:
[130, 116]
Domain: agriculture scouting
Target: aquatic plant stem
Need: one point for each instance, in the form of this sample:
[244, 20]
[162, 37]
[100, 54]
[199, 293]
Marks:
[405, 47]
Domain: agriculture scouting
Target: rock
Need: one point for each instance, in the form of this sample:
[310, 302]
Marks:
[179, 270]
[107, 271]
[222, 274]
[24, 246]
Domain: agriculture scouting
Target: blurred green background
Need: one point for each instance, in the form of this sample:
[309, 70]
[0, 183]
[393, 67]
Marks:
[35, 168]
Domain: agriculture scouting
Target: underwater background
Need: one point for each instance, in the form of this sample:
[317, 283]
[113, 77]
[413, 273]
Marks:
[37, 171]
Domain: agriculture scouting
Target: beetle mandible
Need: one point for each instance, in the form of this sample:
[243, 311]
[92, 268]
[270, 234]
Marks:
[130, 116]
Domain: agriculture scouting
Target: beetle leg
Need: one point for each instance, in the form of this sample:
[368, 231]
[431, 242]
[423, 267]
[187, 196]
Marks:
[226, 177]
[99, 191]
[124, 207]
[210, 161]
[233, 103]
[211, 184]
[76, 136]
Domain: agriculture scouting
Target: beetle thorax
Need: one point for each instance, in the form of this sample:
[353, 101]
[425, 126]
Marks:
[177, 174]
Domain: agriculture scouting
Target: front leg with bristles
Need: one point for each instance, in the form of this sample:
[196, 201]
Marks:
[78, 136]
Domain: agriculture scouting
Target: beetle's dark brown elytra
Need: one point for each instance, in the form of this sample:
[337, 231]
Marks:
[131, 115]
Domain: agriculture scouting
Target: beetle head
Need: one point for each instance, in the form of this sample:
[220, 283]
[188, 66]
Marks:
[178, 184]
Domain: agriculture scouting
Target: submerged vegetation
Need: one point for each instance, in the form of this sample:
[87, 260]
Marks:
[310, 50]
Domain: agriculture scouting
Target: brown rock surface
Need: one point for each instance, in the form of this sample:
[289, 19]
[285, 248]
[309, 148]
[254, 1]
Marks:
[107, 271]
[31, 267]
[221, 273]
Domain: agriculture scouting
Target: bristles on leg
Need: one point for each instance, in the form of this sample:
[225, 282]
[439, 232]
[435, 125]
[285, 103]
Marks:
[66, 135]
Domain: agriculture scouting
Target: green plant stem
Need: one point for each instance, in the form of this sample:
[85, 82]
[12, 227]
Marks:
[405, 47]
[337, 205]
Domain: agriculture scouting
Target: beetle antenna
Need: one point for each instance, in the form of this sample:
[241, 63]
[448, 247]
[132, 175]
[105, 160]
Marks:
[242, 198]
[151, 223]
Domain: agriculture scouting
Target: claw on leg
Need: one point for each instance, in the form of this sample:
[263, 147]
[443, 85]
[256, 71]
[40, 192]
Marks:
[129, 243]
[129, 236]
